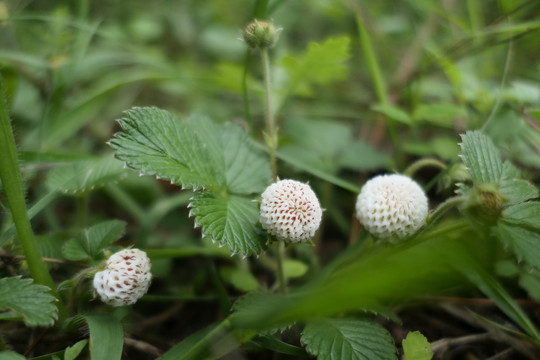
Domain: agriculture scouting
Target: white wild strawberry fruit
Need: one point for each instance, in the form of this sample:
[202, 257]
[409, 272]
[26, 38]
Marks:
[392, 206]
[126, 278]
[290, 211]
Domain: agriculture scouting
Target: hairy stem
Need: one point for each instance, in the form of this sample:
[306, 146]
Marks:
[270, 125]
[444, 207]
[10, 175]
[421, 163]
[280, 255]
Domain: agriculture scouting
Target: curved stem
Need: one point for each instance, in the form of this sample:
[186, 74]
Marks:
[271, 136]
[421, 163]
[444, 207]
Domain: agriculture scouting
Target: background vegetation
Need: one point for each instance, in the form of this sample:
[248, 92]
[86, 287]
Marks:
[360, 88]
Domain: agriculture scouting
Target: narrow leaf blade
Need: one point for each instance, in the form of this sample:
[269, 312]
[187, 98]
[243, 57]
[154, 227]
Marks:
[106, 337]
[495, 291]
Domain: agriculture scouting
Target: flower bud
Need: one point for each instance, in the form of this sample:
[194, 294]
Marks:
[392, 206]
[126, 278]
[290, 211]
[486, 203]
[260, 34]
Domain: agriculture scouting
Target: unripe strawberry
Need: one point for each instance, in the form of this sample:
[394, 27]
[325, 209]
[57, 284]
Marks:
[392, 206]
[486, 203]
[290, 211]
[126, 278]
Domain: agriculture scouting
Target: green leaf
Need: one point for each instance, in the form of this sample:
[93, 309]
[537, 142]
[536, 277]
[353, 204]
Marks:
[486, 283]
[229, 220]
[32, 301]
[158, 143]
[11, 355]
[294, 268]
[442, 114]
[354, 339]
[275, 345]
[90, 242]
[328, 146]
[72, 352]
[106, 337]
[84, 176]
[526, 214]
[517, 190]
[320, 64]
[481, 158]
[195, 153]
[524, 243]
[416, 347]
[393, 112]
[239, 278]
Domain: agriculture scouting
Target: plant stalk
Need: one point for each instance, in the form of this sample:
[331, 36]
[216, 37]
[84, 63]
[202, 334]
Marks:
[421, 163]
[280, 255]
[271, 133]
[10, 175]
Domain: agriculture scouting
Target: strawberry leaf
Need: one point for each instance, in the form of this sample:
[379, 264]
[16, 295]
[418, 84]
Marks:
[354, 339]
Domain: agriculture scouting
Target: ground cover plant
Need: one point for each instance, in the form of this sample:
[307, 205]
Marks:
[269, 180]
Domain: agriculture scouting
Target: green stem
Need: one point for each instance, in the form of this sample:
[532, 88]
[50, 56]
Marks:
[280, 256]
[271, 135]
[445, 206]
[10, 175]
[417, 165]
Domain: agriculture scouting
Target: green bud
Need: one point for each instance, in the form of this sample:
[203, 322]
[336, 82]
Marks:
[486, 203]
[260, 34]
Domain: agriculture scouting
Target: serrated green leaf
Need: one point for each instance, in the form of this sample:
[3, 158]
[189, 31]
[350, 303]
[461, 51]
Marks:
[90, 242]
[158, 143]
[320, 64]
[32, 301]
[354, 339]
[525, 244]
[517, 190]
[194, 153]
[73, 351]
[106, 337]
[525, 214]
[84, 176]
[416, 347]
[229, 220]
[481, 157]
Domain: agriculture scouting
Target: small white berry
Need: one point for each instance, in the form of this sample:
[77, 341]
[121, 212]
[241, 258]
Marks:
[126, 278]
[290, 211]
[392, 206]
